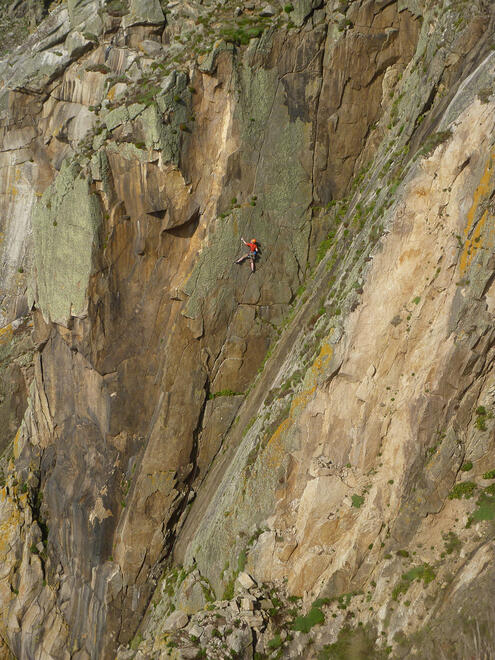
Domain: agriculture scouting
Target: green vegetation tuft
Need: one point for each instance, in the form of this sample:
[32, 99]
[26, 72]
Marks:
[357, 644]
[98, 68]
[465, 489]
[304, 623]
[357, 501]
[423, 572]
[275, 642]
[452, 542]
[241, 36]
[485, 510]
[226, 392]
[241, 561]
[481, 416]
[136, 642]
[434, 141]
[467, 466]
[228, 592]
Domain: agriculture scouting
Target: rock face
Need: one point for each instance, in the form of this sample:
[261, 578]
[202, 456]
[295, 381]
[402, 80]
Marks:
[185, 441]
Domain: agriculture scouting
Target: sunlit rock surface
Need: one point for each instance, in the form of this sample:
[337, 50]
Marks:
[200, 461]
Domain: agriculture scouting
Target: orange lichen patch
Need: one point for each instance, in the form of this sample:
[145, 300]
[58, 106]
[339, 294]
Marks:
[323, 359]
[16, 443]
[161, 479]
[6, 334]
[472, 244]
[9, 523]
[301, 399]
[111, 92]
[275, 449]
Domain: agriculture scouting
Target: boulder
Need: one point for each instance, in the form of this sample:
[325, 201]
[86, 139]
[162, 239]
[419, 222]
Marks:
[176, 621]
[268, 11]
[245, 580]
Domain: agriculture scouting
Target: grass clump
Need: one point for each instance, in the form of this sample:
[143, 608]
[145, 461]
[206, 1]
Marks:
[452, 542]
[275, 642]
[467, 466]
[434, 141]
[485, 510]
[489, 475]
[352, 644]
[304, 623]
[357, 501]
[423, 572]
[98, 68]
[241, 36]
[463, 490]
[226, 392]
[481, 416]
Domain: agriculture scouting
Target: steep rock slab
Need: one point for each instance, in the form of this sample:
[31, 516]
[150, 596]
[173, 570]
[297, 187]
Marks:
[65, 227]
[381, 453]
[119, 403]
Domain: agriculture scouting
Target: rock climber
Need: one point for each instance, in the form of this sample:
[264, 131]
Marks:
[252, 254]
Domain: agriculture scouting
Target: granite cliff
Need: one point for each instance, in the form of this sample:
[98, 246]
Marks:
[198, 461]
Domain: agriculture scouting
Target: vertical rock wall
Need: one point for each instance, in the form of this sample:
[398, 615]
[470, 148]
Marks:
[138, 148]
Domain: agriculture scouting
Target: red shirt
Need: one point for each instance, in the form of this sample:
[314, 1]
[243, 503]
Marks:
[252, 246]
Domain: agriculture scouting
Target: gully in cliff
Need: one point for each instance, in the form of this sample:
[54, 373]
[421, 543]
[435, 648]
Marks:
[254, 251]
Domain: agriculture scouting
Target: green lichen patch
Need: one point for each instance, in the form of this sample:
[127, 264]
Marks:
[65, 227]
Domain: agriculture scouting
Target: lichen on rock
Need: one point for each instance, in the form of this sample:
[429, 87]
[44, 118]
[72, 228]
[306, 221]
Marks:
[201, 460]
[66, 221]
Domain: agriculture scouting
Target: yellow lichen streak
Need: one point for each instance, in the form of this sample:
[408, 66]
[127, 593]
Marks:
[6, 334]
[471, 245]
[275, 450]
[16, 443]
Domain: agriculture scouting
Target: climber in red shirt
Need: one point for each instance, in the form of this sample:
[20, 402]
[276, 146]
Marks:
[252, 254]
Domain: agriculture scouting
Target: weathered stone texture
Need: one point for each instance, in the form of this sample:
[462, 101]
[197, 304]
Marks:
[174, 406]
